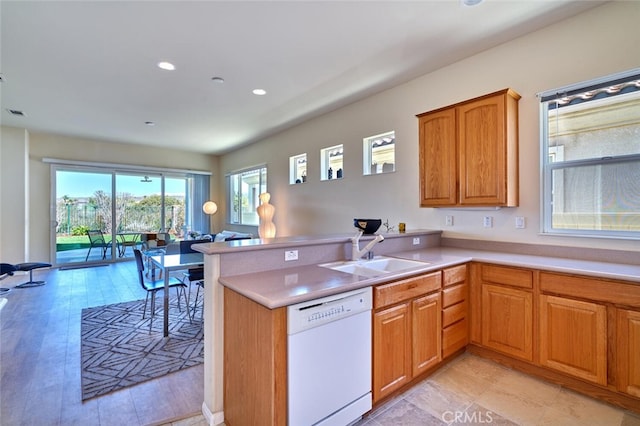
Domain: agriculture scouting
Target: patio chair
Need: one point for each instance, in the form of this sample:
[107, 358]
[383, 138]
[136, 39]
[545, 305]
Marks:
[96, 239]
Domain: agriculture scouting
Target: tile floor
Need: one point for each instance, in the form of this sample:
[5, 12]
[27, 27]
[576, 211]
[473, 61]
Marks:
[473, 390]
[40, 355]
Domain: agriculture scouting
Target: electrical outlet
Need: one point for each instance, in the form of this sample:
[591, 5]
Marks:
[448, 220]
[290, 255]
[416, 241]
[488, 221]
[520, 222]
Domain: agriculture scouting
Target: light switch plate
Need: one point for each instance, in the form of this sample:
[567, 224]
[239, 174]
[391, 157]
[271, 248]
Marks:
[416, 241]
[520, 222]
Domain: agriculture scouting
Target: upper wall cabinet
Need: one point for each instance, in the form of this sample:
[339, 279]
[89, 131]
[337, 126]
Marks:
[469, 153]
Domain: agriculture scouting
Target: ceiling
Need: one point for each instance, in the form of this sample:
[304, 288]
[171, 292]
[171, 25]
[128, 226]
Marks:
[89, 69]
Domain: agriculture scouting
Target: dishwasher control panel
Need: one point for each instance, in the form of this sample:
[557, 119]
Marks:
[314, 313]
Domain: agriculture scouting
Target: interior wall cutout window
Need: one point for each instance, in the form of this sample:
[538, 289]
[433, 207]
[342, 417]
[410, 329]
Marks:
[591, 158]
[331, 162]
[243, 191]
[379, 154]
[298, 169]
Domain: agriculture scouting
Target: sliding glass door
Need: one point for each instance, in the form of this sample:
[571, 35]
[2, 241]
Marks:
[93, 226]
[83, 202]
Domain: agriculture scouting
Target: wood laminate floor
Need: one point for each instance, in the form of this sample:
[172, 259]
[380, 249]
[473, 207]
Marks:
[40, 355]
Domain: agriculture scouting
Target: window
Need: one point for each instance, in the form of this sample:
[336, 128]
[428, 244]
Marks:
[298, 169]
[331, 163]
[244, 189]
[379, 154]
[591, 158]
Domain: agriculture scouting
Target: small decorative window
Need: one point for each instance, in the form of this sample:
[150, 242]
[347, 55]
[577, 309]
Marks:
[298, 169]
[331, 163]
[379, 154]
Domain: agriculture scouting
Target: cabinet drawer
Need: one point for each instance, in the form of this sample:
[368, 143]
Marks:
[454, 338]
[600, 290]
[455, 275]
[388, 294]
[508, 276]
[453, 295]
[454, 313]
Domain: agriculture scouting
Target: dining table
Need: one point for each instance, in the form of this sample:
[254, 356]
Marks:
[174, 262]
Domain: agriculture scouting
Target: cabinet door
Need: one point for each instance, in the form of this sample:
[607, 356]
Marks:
[391, 349]
[573, 337]
[438, 159]
[507, 320]
[483, 152]
[426, 325]
[628, 350]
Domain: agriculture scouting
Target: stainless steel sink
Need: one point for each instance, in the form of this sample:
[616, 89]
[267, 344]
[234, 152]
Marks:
[379, 265]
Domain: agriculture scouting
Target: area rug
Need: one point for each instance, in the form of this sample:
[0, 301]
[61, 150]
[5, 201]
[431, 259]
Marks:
[118, 350]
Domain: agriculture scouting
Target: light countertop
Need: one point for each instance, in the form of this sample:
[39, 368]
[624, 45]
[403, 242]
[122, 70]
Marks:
[283, 287]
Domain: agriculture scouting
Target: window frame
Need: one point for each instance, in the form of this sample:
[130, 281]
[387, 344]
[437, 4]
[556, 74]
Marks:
[548, 167]
[368, 154]
[252, 199]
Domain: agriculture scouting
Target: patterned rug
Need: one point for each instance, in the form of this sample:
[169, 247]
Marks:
[118, 350]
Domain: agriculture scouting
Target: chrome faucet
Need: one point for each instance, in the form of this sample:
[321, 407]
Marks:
[356, 253]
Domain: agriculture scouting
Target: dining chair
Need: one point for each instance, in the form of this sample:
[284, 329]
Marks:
[152, 287]
[96, 239]
[193, 275]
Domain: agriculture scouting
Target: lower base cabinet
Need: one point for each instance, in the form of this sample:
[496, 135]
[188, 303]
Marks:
[391, 350]
[628, 349]
[507, 320]
[406, 332]
[573, 335]
[426, 326]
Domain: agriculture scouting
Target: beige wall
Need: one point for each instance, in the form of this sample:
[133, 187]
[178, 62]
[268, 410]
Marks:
[601, 41]
[31, 148]
[13, 195]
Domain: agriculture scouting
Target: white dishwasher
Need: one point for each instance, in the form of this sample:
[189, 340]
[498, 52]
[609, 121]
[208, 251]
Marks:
[329, 359]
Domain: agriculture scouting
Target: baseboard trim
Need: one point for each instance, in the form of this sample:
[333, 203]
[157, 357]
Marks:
[213, 419]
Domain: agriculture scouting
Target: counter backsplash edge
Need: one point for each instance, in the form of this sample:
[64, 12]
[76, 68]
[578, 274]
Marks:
[568, 252]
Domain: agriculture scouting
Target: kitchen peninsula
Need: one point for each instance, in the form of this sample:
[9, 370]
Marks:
[255, 272]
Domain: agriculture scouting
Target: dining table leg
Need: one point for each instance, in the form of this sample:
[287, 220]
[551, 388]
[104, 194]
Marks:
[166, 304]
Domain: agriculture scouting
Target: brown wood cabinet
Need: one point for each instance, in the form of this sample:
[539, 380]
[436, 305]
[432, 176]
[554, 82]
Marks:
[628, 350]
[573, 337]
[455, 310]
[507, 310]
[426, 326]
[469, 152]
[391, 349]
[406, 331]
[255, 362]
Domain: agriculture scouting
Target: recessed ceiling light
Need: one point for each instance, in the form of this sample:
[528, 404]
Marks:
[259, 92]
[471, 2]
[166, 66]
[150, 123]
[217, 79]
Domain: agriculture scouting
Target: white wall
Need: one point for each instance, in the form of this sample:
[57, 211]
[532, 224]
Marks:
[25, 178]
[13, 194]
[598, 42]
